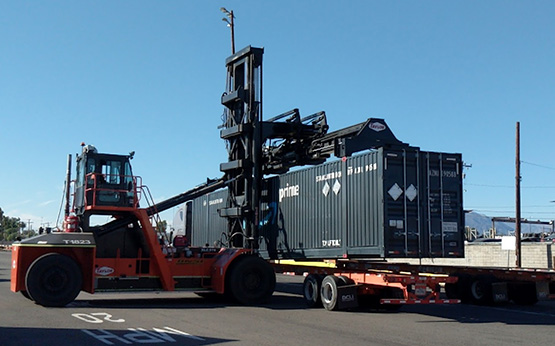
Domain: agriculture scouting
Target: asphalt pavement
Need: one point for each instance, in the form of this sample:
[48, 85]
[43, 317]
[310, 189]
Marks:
[182, 318]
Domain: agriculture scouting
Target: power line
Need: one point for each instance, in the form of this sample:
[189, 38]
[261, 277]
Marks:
[509, 207]
[511, 187]
[538, 165]
[505, 211]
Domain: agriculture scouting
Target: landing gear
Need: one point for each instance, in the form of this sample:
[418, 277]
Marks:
[53, 280]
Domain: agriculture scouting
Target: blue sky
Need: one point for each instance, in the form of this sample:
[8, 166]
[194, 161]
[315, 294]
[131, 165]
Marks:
[147, 76]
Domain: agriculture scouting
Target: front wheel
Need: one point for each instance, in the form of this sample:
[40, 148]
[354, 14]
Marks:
[481, 290]
[53, 280]
[251, 280]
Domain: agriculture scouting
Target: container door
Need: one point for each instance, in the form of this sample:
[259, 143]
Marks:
[401, 181]
[443, 214]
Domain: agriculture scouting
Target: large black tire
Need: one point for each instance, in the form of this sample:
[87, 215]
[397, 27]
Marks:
[53, 280]
[460, 289]
[481, 290]
[251, 281]
[523, 293]
[329, 293]
[311, 290]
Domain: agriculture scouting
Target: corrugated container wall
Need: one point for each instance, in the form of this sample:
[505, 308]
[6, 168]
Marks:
[385, 203]
[207, 228]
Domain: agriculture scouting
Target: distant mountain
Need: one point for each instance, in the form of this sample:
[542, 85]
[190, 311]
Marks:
[482, 223]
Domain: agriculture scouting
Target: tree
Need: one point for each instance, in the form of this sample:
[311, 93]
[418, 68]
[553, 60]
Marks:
[9, 227]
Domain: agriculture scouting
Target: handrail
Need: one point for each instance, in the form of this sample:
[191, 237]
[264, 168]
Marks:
[93, 180]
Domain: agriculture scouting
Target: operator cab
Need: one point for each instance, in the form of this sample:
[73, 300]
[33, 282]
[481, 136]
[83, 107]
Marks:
[104, 181]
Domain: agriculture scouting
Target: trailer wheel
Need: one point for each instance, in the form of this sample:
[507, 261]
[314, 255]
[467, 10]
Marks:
[481, 290]
[53, 280]
[460, 289]
[523, 293]
[311, 290]
[251, 281]
[329, 292]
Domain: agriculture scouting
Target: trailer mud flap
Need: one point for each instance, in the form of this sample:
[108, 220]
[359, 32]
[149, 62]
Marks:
[500, 292]
[542, 290]
[347, 297]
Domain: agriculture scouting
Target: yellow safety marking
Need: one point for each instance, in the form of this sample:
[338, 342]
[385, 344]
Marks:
[307, 264]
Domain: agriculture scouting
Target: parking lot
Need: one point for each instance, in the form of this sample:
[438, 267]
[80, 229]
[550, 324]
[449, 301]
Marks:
[186, 319]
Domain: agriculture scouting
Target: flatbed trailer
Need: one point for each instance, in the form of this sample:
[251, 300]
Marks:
[344, 284]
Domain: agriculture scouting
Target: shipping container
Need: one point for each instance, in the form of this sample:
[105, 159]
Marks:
[381, 204]
[206, 227]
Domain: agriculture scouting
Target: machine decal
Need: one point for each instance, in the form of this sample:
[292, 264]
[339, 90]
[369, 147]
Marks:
[288, 191]
[104, 270]
[378, 127]
[331, 243]
[77, 241]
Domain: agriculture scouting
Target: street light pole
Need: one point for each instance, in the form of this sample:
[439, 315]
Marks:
[230, 23]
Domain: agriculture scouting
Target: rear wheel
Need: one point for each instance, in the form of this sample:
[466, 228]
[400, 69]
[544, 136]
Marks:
[460, 289]
[329, 292]
[481, 290]
[53, 280]
[251, 280]
[523, 293]
[311, 290]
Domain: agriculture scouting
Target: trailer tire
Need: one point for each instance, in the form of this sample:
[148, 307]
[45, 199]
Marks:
[460, 289]
[523, 293]
[481, 290]
[329, 292]
[53, 280]
[252, 281]
[311, 290]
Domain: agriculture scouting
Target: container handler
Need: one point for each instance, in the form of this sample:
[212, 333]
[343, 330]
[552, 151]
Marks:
[130, 252]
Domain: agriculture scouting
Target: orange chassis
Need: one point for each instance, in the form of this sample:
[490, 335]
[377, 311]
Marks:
[199, 269]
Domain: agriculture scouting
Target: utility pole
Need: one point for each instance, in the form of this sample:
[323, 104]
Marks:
[230, 23]
[518, 252]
